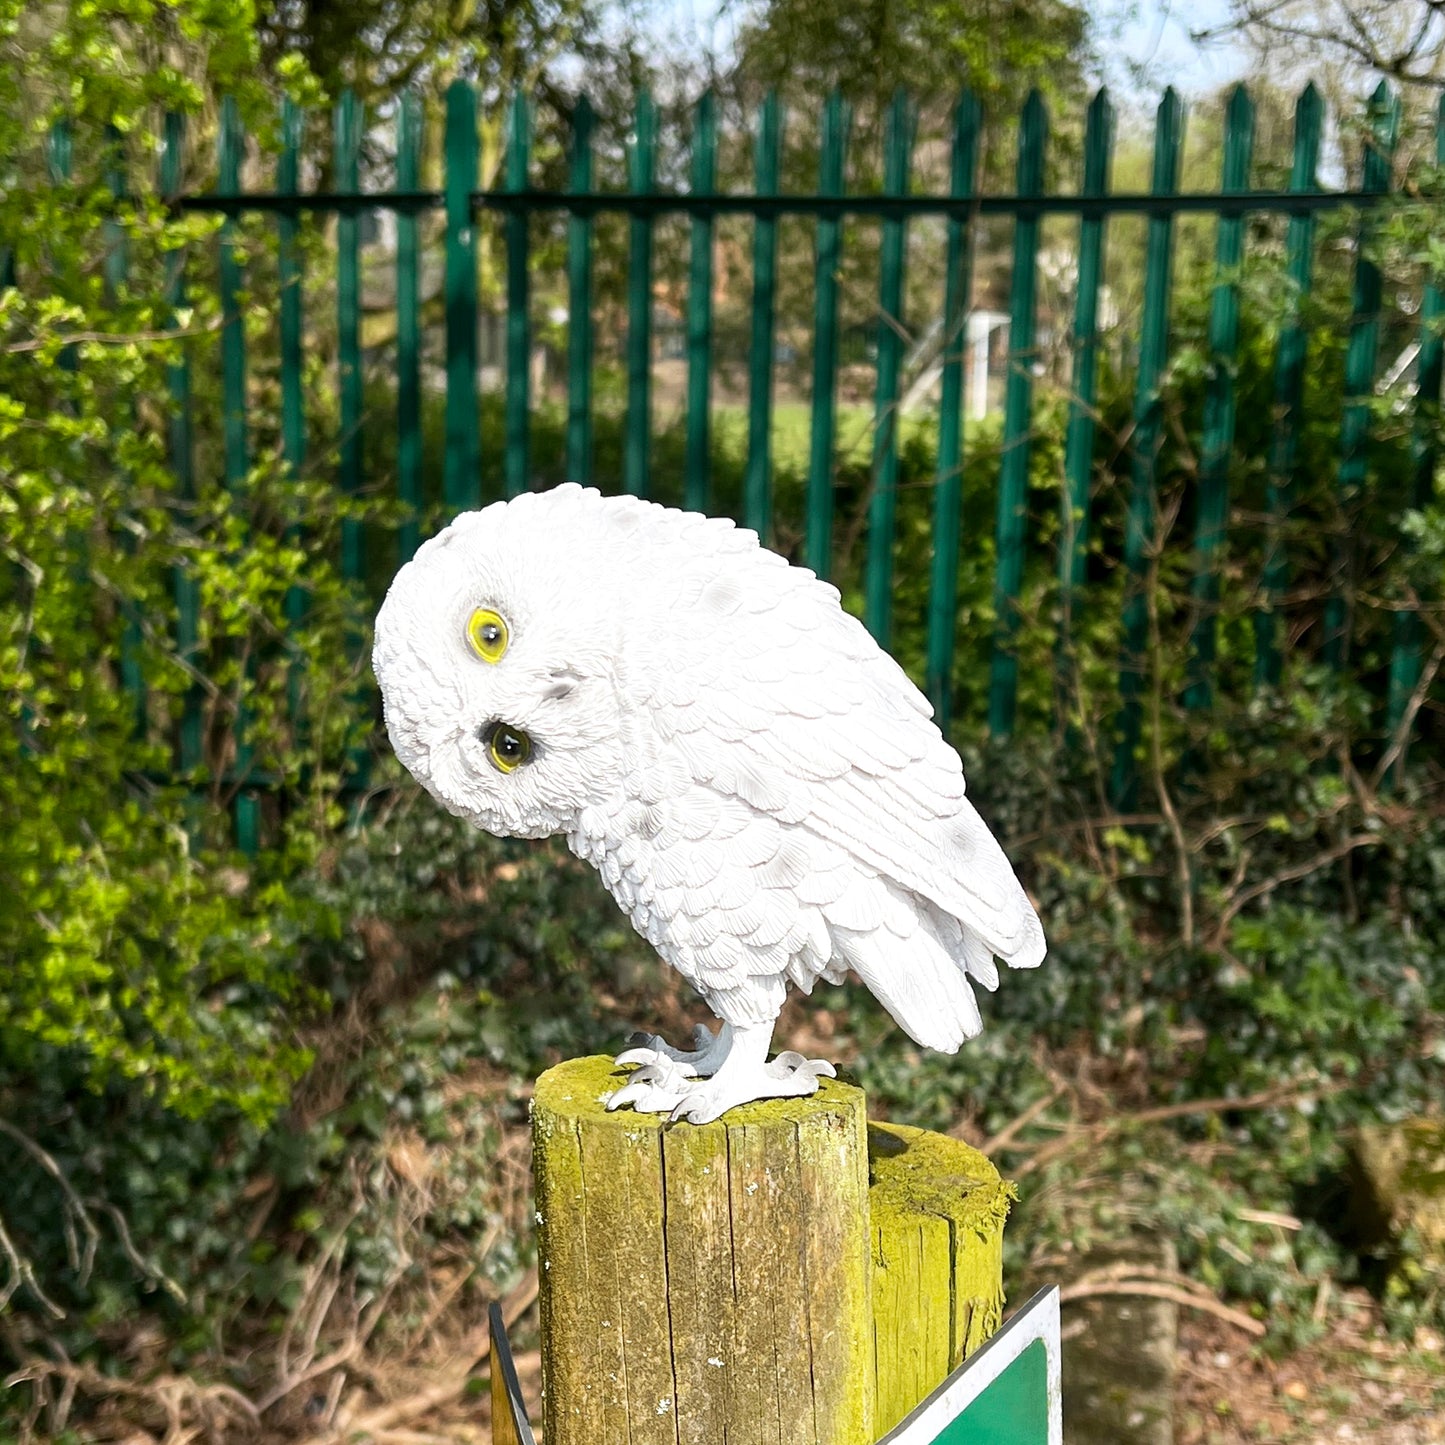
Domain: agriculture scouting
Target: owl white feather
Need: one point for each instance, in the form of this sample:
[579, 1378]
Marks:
[761, 787]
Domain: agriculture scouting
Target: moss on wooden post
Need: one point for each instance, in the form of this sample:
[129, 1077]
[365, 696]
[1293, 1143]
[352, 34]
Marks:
[702, 1283]
[936, 1212]
[786, 1274]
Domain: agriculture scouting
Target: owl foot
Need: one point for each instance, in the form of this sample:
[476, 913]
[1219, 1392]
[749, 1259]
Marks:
[702, 1061]
[662, 1085]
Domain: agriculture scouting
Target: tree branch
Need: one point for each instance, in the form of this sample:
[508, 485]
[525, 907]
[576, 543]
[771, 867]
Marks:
[22, 1272]
[1178, 1290]
[75, 1211]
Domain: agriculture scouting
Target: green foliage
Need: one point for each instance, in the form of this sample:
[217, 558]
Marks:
[134, 943]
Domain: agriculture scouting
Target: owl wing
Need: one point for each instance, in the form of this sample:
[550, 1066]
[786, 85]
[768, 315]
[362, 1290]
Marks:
[765, 691]
[740, 903]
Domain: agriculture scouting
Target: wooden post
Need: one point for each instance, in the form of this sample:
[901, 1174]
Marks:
[702, 1283]
[741, 1280]
[936, 1211]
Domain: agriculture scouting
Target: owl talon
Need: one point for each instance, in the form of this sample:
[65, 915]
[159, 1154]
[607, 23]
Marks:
[652, 1088]
[702, 1061]
[790, 1061]
[649, 1056]
[710, 1100]
[662, 1085]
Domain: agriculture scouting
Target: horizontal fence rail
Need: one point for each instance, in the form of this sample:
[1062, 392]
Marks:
[724, 203]
[581, 203]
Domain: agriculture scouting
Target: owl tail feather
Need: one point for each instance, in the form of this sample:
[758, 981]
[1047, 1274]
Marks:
[918, 980]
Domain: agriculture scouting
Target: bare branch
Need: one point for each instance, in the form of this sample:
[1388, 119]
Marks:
[1181, 1291]
[452, 1380]
[1406, 725]
[75, 1212]
[147, 1267]
[22, 1272]
[105, 338]
[1354, 30]
[1289, 875]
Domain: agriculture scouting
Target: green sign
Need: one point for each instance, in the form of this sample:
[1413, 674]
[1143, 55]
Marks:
[1008, 1393]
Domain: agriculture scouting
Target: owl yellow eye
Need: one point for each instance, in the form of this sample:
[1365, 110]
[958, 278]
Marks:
[507, 747]
[487, 633]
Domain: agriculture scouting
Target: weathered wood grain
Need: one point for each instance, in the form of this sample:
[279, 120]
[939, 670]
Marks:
[702, 1284]
[936, 1211]
[788, 1275]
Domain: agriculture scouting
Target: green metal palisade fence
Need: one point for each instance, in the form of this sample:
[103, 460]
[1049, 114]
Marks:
[460, 205]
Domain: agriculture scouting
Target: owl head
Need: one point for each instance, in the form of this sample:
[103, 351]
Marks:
[497, 653]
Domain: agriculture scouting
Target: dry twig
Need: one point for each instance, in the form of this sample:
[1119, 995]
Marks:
[1187, 1294]
[449, 1382]
[1016, 1126]
[1093, 1135]
[74, 1211]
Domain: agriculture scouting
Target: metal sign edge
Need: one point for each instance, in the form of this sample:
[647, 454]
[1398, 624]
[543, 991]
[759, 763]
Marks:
[1038, 1320]
[520, 1423]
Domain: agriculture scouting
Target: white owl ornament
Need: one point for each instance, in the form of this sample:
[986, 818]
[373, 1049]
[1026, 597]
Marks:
[760, 786]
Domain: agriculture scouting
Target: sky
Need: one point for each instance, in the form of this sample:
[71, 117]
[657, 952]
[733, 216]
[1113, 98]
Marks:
[1144, 44]
[1153, 37]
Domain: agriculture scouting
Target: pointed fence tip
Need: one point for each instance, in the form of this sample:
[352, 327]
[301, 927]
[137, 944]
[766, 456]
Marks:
[968, 112]
[461, 101]
[1035, 117]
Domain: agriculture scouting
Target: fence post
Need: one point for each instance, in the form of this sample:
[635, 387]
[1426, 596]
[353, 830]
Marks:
[409, 121]
[1013, 482]
[516, 463]
[697, 483]
[180, 452]
[1289, 373]
[1148, 425]
[231, 144]
[1083, 395]
[786, 1273]
[936, 1212]
[290, 322]
[349, 125]
[1212, 502]
[818, 551]
[948, 494]
[579, 302]
[462, 475]
[897, 153]
[117, 267]
[1360, 357]
[637, 446]
[757, 488]
[1405, 656]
